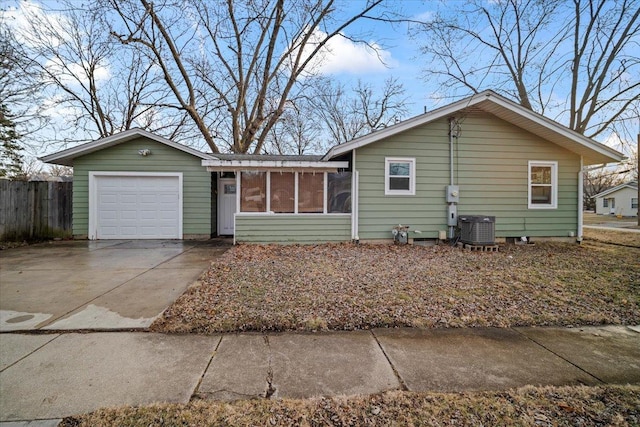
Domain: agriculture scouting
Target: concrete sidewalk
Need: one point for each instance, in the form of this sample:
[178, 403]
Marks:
[49, 376]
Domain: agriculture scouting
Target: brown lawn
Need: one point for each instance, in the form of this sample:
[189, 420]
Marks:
[528, 406]
[348, 286]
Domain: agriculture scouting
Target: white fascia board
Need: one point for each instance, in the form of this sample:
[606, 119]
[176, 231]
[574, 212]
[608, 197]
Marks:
[214, 165]
[66, 156]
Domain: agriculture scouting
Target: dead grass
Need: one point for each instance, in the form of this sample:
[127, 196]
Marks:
[593, 219]
[527, 406]
[615, 237]
[347, 286]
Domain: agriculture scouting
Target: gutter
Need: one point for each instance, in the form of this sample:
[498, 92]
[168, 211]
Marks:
[581, 173]
[354, 198]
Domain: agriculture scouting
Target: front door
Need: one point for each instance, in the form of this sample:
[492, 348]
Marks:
[226, 205]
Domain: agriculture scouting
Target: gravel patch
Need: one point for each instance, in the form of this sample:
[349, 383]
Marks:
[349, 286]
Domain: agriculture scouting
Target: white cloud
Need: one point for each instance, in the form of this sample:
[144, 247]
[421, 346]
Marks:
[27, 14]
[74, 73]
[424, 16]
[341, 55]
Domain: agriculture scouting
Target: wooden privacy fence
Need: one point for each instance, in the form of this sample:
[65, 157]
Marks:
[35, 210]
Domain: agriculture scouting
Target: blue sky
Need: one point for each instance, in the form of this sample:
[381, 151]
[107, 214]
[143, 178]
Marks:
[399, 51]
[350, 62]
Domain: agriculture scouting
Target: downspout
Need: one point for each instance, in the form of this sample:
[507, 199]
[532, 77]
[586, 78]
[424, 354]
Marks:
[238, 191]
[580, 198]
[451, 124]
[451, 190]
[583, 169]
[354, 198]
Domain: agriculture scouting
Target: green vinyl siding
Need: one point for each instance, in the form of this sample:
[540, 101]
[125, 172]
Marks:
[491, 167]
[196, 184]
[299, 228]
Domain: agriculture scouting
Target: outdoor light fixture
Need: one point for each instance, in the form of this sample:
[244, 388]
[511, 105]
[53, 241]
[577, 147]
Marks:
[145, 152]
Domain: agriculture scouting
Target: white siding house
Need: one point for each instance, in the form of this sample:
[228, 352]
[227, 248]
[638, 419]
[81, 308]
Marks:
[620, 200]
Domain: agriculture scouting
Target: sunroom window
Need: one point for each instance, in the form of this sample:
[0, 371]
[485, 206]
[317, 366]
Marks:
[310, 192]
[543, 183]
[253, 191]
[283, 192]
[295, 192]
[339, 192]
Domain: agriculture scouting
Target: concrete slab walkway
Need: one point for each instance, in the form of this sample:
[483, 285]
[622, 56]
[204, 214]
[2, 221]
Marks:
[97, 284]
[55, 375]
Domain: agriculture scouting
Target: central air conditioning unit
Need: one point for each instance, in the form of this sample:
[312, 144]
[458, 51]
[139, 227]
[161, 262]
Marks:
[477, 229]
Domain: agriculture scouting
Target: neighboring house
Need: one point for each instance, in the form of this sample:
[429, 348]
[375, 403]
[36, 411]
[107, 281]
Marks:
[619, 200]
[482, 155]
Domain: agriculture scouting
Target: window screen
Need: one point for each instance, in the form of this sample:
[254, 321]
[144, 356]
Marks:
[253, 190]
[282, 192]
[339, 192]
[310, 192]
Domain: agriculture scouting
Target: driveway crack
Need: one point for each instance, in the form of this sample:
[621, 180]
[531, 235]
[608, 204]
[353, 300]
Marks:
[403, 384]
[195, 392]
[559, 355]
[271, 389]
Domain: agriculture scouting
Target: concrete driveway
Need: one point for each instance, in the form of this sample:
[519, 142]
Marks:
[103, 285]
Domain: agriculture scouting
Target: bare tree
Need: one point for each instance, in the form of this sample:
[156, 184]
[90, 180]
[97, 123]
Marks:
[21, 114]
[347, 115]
[232, 66]
[19, 81]
[296, 132]
[531, 50]
[96, 84]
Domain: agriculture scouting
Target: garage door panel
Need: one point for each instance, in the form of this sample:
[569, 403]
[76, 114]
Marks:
[108, 198]
[128, 215]
[166, 215]
[142, 207]
[148, 215]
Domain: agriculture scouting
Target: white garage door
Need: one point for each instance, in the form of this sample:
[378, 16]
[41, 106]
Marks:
[137, 207]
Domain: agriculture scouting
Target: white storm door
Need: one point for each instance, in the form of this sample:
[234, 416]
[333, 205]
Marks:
[226, 206]
[135, 205]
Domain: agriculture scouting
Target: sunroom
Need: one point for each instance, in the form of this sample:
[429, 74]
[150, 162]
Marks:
[282, 199]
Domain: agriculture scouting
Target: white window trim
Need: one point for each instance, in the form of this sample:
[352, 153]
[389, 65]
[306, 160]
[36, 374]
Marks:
[412, 176]
[554, 184]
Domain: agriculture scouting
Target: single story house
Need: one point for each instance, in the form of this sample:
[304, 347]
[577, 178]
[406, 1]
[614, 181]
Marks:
[619, 200]
[483, 155]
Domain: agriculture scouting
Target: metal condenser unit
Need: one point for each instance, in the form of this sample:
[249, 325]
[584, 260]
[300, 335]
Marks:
[477, 229]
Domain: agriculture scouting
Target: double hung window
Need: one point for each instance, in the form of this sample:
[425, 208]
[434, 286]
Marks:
[400, 176]
[543, 185]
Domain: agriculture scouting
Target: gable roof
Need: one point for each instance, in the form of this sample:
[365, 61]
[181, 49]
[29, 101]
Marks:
[65, 157]
[490, 102]
[631, 185]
